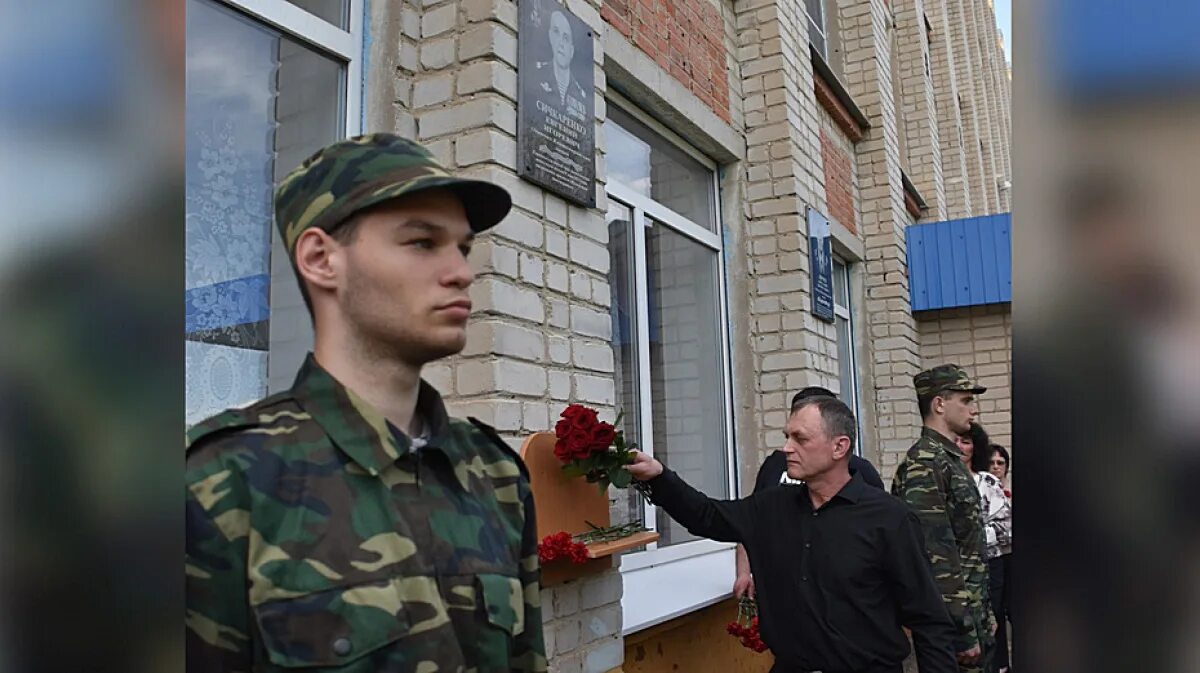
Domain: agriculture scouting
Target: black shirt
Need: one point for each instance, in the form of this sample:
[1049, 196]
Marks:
[834, 585]
[776, 464]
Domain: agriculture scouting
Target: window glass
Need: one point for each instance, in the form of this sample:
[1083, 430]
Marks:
[644, 161]
[686, 382]
[336, 12]
[257, 103]
[679, 277]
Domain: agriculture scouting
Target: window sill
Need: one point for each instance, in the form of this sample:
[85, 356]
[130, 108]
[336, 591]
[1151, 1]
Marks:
[836, 100]
[660, 586]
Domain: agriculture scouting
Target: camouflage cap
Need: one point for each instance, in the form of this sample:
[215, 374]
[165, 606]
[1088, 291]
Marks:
[356, 173]
[944, 377]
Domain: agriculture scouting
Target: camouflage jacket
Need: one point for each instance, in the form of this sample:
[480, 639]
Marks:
[933, 480]
[318, 538]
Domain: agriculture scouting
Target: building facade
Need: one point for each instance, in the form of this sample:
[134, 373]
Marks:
[684, 297]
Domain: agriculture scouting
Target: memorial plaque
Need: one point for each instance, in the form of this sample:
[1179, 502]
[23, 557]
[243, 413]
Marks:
[556, 129]
[820, 255]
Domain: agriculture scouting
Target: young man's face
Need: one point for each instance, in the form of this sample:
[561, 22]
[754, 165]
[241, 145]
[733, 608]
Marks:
[959, 408]
[405, 278]
[809, 449]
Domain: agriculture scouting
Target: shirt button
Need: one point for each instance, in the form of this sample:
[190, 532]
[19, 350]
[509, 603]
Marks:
[807, 545]
[342, 647]
[804, 578]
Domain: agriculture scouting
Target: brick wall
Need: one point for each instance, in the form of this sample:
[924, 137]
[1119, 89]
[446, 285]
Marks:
[887, 388]
[839, 180]
[684, 38]
[979, 339]
[540, 336]
[789, 347]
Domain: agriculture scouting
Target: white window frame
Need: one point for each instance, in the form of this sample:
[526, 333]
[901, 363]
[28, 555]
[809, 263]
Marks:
[846, 311]
[662, 583]
[315, 32]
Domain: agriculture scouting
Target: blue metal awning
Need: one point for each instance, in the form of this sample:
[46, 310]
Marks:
[960, 262]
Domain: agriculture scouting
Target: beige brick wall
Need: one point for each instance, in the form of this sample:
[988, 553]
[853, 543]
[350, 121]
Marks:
[979, 339]
[894, 356]
[783, 172]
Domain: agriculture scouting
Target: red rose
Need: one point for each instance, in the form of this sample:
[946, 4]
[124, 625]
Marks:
[562, 450]
[580, 416]
[562, 428]
[603, 435]
[579, 443]
[574, 411]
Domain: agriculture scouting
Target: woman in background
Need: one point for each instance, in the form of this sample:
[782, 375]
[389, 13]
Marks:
[996, 511]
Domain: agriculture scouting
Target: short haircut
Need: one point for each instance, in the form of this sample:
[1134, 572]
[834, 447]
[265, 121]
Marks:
[812, 391]
[836, 417]
[924, 404]
[981, 456]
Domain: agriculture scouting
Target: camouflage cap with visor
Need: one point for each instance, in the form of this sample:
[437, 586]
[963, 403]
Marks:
[357, 173]
[942, 378]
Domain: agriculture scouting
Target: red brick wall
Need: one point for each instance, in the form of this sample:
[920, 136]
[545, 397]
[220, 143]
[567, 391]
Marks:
[685, 38]
[838, 187]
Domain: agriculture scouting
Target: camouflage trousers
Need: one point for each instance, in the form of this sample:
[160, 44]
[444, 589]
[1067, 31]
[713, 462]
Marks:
[987, 645]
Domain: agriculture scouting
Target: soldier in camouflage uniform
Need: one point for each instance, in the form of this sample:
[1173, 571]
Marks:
[933, 480]
[348, 524]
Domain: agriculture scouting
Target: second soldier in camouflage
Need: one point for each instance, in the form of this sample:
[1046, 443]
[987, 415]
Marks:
[350, 524]
[933, 480]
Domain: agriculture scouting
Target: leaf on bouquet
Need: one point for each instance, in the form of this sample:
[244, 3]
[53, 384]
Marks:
[574, 470]
[621, 478]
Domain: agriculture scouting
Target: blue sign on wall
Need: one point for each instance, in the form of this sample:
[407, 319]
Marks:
[820, 256]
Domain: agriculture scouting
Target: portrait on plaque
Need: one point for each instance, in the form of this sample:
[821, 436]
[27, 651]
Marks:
[556, 128]
[820, 262]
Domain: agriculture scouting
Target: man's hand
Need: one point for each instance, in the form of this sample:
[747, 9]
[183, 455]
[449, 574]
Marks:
[744, 586]
[644, 468]
[970, 655]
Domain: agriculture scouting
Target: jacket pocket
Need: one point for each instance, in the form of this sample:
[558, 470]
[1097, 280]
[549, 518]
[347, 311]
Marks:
[339, 626]
[504, 602]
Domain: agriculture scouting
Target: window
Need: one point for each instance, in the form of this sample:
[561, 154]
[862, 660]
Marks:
[847, 360]
[816, 26]
[268, 83]
[670, 345]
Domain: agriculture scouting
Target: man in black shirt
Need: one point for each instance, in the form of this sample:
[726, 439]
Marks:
[774, 473]
[841, 566]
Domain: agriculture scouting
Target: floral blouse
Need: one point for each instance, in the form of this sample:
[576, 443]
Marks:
[996, 509]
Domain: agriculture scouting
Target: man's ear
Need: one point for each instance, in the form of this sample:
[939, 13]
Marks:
[841, 447]
[318, 258]
[938, 404]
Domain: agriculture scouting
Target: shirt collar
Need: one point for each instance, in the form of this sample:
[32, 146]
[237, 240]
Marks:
[853, 489]
[851, 492]
[356, 427]
[946, 443]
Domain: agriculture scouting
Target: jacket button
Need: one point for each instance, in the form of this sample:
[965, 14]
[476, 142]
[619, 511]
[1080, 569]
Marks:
[342, 647]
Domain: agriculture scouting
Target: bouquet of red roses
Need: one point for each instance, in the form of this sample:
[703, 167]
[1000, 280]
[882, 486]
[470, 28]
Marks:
[562, 546]
[591, 448]
[745, 627]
